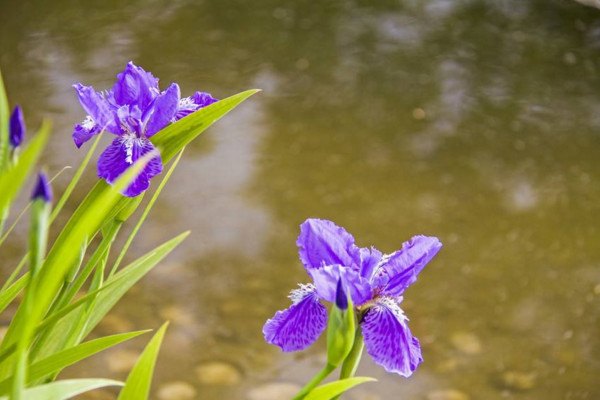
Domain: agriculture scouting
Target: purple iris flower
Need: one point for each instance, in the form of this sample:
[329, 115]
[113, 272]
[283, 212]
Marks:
[133, 110]
[375, 282]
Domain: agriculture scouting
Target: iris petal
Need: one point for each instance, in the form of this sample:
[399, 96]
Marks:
[135, 86]
[326, 279]
[101, 112]
[164, 109]
[122, 154]
[300, 325]
[398, 270]
[322, 242]
[388, 340]
[85, 131]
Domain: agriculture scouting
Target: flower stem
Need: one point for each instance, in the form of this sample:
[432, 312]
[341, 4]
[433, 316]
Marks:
[351, 362]
[324, 373]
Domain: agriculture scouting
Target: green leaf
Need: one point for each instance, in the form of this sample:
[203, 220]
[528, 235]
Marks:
[12, 180]
[4, 111]
[123, 280]
[65, 389]
[137, 385]
[105, 297]
[9, 294]
[57, 362]
[330, 390]
[83, 225]
[176, 136]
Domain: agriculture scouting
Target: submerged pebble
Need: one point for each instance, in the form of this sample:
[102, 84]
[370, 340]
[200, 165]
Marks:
[116, 324]
[121, 360]
[518, 380]
[466, 343]
[274, 391]
[176, 391]
[447, 394]
[218, 373]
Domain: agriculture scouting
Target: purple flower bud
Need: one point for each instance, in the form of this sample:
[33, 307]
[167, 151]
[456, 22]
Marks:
[42, 189]
[17, 127]
[341, 298]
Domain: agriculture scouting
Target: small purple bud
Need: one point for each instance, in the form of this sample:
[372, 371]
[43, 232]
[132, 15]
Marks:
[17, 127]
[42, 189]
[341, 298]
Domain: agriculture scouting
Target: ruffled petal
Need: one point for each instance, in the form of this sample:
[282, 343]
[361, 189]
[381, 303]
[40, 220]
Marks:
[122, 154]
[85, 131]
[398, 270]
[326, 279]
[164, 109]
[135, 86]
[322, 242]
[388, 340]
[97, 107]
[300, 325]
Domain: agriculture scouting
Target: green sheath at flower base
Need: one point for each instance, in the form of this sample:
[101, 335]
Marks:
[341, 328]
[40, 213]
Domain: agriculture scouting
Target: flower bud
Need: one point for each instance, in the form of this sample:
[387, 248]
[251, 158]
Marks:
[341, 327]
[17, 127]
[42, 189]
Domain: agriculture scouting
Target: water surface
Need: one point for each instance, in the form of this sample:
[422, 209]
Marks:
[475, 121]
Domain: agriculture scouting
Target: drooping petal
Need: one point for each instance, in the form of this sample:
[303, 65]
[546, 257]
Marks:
[369, 259]
[188, 105]
[300, 325]
[85, 131]
[322, 242]
[388, 340]
[122, 154]
[398, 270]
[164, 109]
[101, 112]
[326, 279]
[135, 86]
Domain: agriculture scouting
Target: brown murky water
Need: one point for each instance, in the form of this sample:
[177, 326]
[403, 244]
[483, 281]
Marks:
[476, 121]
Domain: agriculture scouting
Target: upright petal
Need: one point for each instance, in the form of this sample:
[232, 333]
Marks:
[369, 259]
[300, 325]
[101, 112]
[135, 86]
[122, 154]
[388, 340]
[85, 131]
[164, 109]
[398, 270]
[322, 242]
[327, 277]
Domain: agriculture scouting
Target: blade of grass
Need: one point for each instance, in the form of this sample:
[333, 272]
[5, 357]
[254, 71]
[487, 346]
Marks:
[3, 128]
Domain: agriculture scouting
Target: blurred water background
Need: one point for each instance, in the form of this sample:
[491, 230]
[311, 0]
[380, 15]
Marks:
[476, 121]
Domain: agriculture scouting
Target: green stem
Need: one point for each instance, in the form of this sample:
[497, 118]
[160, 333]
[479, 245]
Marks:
[351, 362]
[324, 373]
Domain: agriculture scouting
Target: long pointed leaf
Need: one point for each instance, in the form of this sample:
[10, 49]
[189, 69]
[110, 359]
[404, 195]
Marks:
[330, 390]
[62, 390]
[57, 362]
[137, 385]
